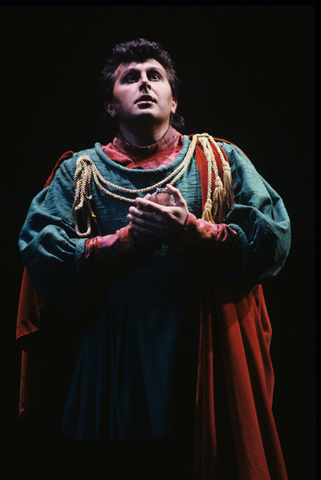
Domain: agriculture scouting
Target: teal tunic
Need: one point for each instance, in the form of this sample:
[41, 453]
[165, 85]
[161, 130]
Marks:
[135, 376]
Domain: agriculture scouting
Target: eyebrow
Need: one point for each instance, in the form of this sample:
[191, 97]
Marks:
[134, 70]
[128, 70]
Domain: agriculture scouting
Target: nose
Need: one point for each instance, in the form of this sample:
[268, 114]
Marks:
[144, 83]
[145, 87]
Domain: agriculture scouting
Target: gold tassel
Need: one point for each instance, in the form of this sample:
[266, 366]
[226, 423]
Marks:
[219, 202]
[228, 185]
[207, 213]
[216, 209]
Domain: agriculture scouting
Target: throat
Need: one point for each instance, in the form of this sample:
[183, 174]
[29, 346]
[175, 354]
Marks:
[142, 136]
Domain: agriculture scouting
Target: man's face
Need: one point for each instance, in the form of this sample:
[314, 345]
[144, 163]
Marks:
[141, 91]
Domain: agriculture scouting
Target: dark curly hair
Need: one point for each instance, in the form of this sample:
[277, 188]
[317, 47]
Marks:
[138, 50]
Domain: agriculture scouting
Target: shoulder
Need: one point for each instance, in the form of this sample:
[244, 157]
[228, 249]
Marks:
[225, 144]
[234, 153]
[65, 167]
[69, 164]
[230, 148]
[90, 152]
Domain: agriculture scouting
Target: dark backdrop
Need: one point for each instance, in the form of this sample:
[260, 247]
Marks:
[247, 76]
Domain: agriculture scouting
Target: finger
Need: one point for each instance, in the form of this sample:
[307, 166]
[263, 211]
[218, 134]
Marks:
[145, 223]
[143, 231]
[176, 194]
[147, 205]
[142, 213]
[137, 212]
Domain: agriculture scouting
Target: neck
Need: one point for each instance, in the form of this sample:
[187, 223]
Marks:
[142, 137]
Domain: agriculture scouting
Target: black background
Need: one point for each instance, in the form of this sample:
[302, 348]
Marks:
[247, 76]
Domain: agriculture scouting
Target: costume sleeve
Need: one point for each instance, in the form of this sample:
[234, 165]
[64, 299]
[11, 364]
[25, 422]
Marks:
[254, 241]
[216, 243]
[260, 219]
[49, 246]
[53, 253]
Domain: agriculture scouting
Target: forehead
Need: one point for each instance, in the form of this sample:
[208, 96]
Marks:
[141, 66]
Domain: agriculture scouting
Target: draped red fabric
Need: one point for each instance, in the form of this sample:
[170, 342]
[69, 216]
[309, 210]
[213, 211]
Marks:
[245, 334]
[28, 324]
[242, 338]
[243, 341]
[61, 159]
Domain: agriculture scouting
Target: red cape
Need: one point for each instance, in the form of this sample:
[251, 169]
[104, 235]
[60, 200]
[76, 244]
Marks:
[235, 334]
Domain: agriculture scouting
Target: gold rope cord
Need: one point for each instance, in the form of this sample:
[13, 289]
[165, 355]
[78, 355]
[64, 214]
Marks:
[86, 170]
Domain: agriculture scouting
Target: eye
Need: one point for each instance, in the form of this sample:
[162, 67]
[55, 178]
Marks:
[155, 76]
[130, 78]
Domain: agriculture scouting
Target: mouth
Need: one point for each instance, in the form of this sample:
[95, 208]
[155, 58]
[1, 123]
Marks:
[145, 98]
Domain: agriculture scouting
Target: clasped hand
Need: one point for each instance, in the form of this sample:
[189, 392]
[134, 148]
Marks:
[153, 224]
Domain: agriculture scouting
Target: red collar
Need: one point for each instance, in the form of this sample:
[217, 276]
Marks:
[151, 156]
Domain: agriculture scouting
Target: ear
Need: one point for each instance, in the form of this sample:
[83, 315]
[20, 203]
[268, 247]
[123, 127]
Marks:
[174, 105]
[110, 109]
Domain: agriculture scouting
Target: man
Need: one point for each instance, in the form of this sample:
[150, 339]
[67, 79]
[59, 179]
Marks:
[151, 250]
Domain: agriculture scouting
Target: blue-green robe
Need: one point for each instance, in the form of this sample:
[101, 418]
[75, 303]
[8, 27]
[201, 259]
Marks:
[136, 372]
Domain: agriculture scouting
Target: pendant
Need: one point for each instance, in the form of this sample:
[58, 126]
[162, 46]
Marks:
[162, 197]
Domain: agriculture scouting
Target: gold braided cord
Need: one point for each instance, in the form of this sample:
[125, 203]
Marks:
[82, 200]
[84, 163]
[86, 170]
[204, 139]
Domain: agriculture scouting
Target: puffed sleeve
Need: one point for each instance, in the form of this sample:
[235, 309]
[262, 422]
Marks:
[49, 245]
[260, 219]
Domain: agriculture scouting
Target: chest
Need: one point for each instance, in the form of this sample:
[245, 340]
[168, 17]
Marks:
[112, 212]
